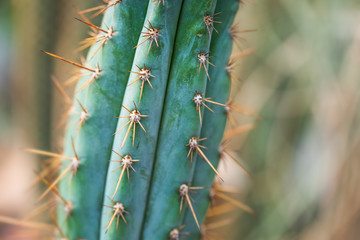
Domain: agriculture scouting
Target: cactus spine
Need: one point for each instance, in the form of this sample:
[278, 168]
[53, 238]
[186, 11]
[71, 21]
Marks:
[140, 133]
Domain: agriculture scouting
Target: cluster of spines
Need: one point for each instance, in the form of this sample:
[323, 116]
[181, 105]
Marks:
[134, 116]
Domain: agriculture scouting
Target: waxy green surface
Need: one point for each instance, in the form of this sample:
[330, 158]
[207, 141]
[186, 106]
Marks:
[102, 99]
[180, 121]
[133, 193]
[214, 123]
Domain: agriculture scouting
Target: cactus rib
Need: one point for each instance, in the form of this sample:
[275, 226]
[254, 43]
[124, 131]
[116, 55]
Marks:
[102, 100]
[157, 60]
[219, 89]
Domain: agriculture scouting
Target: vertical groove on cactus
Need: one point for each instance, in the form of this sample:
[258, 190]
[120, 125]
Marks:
[214, 123]
[179, 123]
[102, 100]
[147, 82]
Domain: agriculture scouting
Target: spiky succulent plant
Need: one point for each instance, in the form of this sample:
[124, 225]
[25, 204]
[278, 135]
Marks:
[147, 120]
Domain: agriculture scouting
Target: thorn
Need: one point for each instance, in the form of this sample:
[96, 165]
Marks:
[220, 209]
[83, 116]
[61, 90]
[232, 64]
[103, 38]
[53, 218]
[239, 130]
[144, 75]
[94, 75]
[135, 117]
[126, 163]
[24, 223]
[153, 34]
[235, 34]
[237, 108]
[68, 61]
[119, 211]
[102, 8]
[225, 154]
[209, 21]
[195, 146]
[199, 101]
[217, 190]
[73, 166]
[184, 194]
[203, 59]
[54, 189]
[176, 234]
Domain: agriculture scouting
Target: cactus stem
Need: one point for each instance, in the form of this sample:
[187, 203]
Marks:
[95, 73]
[119, 210]
[126, 163]
[176, 234]
[97, 38]
[153, 34]
[209, 21]
[199, 101]
[195, 146]
[135, 117]
[203, 59]
[144, 75]
[184, 194]
[235, 34]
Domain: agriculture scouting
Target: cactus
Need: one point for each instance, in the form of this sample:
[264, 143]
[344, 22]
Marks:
[142, 117]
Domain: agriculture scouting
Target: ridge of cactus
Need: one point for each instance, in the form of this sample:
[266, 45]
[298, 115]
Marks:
[180, 121]
[218, 88]
[150, 87]
[102, 100]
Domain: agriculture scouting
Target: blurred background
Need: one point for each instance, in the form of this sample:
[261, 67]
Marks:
[303, 79]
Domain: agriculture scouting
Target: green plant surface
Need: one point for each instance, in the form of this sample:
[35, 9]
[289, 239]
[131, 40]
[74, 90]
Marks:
[134, 135]
[218, 88]
[102, 100]
[132, 192]
[180, 122]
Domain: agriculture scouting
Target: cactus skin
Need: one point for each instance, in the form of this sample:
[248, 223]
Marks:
[180, 121]
[93, 142]
[151, 196]
[219, 89]
[133, 193]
